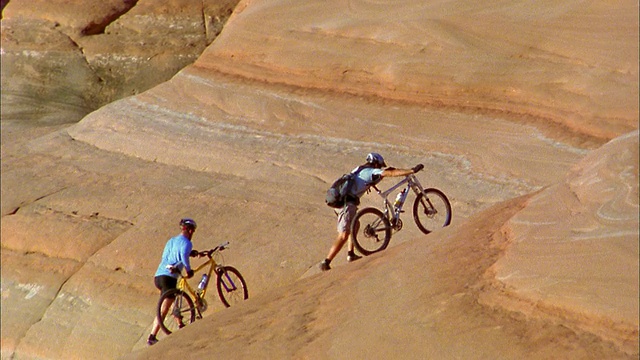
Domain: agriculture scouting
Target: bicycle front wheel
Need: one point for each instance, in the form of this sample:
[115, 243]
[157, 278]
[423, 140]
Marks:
[370, 231]
[175, 310]
[431, 210]
[232, 288]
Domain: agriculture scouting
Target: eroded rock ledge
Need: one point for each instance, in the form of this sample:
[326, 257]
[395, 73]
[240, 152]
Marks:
[61, 61]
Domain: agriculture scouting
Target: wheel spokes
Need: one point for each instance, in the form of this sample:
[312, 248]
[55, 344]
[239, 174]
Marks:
[370, 231]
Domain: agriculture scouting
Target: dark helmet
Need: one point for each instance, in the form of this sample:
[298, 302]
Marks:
[376, 160]
[188, 222]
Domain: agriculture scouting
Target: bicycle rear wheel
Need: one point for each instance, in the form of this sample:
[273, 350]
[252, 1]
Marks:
[180, 310]
[431, 210]
[370, 231]
[232, 288]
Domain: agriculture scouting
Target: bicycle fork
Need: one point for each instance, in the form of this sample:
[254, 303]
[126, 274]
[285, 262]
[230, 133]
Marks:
[428, 207]
[226, 280]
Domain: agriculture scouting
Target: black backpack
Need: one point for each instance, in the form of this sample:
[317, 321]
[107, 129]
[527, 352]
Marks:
[340, 189]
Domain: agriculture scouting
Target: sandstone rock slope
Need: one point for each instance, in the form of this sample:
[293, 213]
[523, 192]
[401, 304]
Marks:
[523, 114]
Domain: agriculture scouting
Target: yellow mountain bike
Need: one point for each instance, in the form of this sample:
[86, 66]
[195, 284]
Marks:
[183, 305]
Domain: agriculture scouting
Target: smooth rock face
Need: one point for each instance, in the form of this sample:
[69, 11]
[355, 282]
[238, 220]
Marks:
[572, 248]
[548, 62]
[524, 114]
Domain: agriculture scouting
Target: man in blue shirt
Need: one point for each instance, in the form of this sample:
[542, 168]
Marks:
[368, 175]
[175, 258]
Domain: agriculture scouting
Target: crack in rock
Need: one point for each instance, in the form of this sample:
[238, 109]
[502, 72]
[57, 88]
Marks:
[96, 28]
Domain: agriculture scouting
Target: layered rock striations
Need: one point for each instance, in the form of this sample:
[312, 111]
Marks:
[573, 250]
[508, 105]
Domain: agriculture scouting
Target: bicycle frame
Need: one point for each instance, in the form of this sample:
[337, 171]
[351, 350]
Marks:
[183, 284]
[372, 227]
[411, 182]
[199, 294]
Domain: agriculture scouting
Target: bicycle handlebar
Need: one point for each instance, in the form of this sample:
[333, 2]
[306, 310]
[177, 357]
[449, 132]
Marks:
[207, 253]
[416, 169]
[210, 252]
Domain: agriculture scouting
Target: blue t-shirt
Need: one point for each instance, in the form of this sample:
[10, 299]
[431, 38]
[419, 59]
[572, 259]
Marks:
[366, 177]
[176, 252]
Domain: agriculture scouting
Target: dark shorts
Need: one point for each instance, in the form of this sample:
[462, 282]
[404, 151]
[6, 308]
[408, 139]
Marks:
[165, 283]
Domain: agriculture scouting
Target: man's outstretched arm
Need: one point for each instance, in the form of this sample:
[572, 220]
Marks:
[401, 172]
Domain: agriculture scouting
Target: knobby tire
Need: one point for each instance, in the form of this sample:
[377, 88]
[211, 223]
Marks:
[182, 307]
[370, 231]
[231, 286]
[431, 210]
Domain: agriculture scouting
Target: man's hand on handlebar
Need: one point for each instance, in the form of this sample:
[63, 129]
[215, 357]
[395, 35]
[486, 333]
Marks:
[189, 274]
[196, 253]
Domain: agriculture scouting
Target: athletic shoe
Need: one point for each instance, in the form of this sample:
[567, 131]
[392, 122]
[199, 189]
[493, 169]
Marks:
[324, 266]
[152, 340]
[353, 257]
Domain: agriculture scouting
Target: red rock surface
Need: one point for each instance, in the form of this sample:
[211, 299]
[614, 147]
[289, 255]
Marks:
[525, 115]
